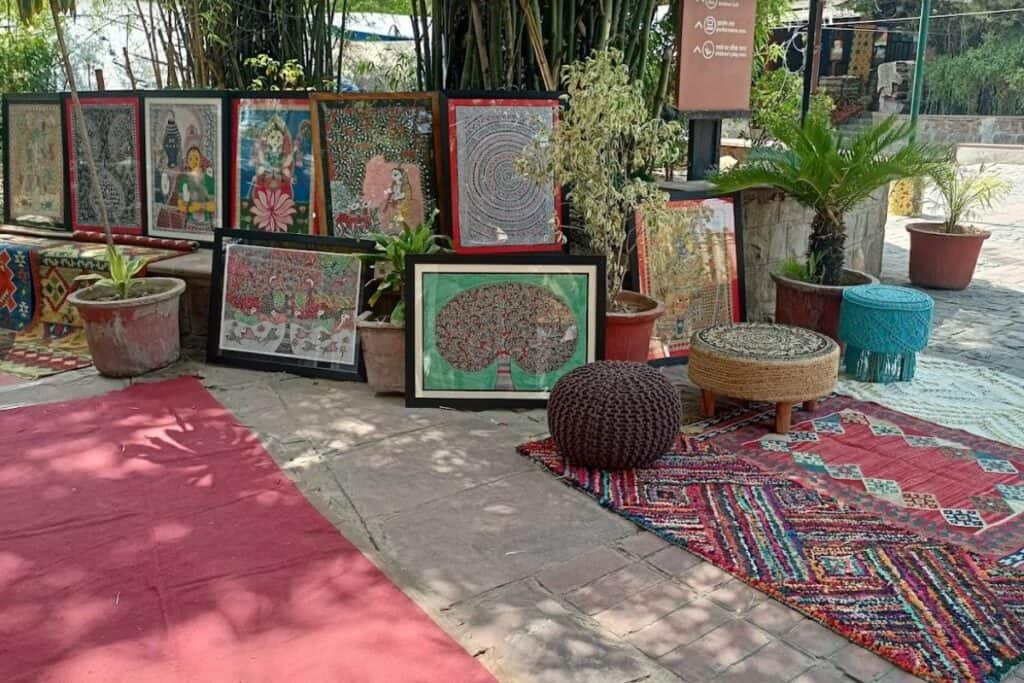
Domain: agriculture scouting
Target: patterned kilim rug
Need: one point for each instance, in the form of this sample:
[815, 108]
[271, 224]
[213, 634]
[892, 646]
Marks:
[42, 350]
[931, 607]
[18, 262]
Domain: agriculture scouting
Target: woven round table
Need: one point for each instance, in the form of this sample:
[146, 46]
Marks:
[763, 362]
[884, 327]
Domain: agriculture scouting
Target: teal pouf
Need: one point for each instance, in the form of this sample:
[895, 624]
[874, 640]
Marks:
[883, 328]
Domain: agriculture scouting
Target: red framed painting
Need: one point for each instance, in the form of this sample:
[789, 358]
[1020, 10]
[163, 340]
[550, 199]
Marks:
[494, 208]
[691, 264]
[114, 128]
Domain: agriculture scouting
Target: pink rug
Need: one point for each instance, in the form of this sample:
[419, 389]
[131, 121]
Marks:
[147, 536]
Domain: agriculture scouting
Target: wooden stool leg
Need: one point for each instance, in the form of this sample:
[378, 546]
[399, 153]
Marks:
[811, 405]
[707, 403]
[783, 413]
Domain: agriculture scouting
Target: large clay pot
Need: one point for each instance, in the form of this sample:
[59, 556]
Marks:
[942, 260]
[815, 307]
[384, 355]
[628, 334]
[130, 337]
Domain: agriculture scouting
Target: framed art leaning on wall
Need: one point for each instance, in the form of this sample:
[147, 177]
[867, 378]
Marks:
[499, 331]
[286, 303]
[34, 161]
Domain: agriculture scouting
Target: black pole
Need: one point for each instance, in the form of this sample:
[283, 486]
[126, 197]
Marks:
[812, 56]
[704, 150]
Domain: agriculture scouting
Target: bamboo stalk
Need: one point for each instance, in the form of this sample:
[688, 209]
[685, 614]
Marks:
[416, 41]
[480, 40]
[538, 45]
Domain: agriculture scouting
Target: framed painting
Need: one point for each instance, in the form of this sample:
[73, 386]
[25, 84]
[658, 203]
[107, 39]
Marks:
[494, 208]
[499, 331]
[272, 164]
[286, 303]
[114, 129]
[185, 176]
[34, 161]
[379, 157]
[691, 264]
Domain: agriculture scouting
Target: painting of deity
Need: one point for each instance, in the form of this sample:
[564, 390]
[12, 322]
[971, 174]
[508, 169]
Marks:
[273, 165]
[112, 128]
[689, 262]
[286, 304]
[35, 164]
[378, 156]
[500, 331]
[184, 159]
[495, 208]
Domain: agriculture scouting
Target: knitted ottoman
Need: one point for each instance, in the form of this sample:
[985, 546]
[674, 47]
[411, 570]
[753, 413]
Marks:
[613, 415]
[884, 327]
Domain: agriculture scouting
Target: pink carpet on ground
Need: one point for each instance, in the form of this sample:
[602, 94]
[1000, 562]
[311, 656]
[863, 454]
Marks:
[147, 536]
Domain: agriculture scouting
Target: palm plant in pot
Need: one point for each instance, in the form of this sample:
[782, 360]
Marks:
[383, 339]
[604, 151]
[829, 173]
[944, 255]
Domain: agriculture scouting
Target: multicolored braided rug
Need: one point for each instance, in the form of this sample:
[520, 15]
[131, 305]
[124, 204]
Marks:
[932, 607]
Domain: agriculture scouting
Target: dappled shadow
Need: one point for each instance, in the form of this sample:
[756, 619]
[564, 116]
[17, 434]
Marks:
[147, 535]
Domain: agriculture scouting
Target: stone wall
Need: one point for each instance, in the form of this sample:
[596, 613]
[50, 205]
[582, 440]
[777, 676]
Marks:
[950, 130]
[776, 228]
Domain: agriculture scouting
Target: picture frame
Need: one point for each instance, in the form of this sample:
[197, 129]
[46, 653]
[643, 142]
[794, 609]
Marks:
[494, 209]
[305, 322]
[719, 295]
[120, 155]
[185, 201]
[44, 146]
[272, 131]
[497, 331]
[370, 178]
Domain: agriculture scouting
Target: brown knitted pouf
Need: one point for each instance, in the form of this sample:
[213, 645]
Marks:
[613, 415]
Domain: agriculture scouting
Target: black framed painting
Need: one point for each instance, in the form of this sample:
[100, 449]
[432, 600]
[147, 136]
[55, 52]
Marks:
[185, 160]
[499, 330]
[692, 264]
[286, 303]
[34, 181]
[378, 162]
[113, 128]
[494, 208]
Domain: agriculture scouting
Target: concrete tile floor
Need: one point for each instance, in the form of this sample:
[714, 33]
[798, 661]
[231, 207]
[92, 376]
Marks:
[534, 578]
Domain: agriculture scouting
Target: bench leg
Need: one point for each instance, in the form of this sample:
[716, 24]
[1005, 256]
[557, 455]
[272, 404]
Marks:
[811, 405]
[707, 403]
[783, 413]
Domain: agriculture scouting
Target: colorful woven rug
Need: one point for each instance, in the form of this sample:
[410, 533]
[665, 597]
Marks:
[42, 350]
[932, 608]
[17, 285]
[944, 483]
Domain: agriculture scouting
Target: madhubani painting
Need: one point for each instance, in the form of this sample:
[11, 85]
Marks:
[184, 153]
[36, 171]
[294, 306]
[494, 207]
[379, 158]
[112, 125]
[273, 166]
[689, 263]
[501, 330]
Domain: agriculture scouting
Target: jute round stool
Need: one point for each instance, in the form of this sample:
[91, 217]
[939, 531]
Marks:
[763, 362]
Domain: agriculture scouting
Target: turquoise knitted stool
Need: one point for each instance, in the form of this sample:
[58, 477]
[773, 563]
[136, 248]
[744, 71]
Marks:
[884, 327]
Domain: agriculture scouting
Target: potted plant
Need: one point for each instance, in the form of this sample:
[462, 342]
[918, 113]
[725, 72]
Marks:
[383, 340]
[944, 255]
[604, 150]
[131, 323]
[828, 173]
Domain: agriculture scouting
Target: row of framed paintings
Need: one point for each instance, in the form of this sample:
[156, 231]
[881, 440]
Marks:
[482, 330]
[179, 164]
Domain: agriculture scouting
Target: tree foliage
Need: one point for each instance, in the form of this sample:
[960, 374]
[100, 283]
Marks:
[27, 60]
[987, 80]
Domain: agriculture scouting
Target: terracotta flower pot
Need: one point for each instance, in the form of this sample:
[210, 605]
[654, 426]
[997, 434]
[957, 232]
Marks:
[130, 337]
[628, 335]
[815, 307]
[942, 260]
[384, 354]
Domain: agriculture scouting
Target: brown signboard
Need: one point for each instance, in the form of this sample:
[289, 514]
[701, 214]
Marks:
[716, 51]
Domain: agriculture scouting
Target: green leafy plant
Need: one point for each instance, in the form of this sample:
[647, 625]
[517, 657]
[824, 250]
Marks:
[799, 269]
[962, 193]
[830, 173]
[605, 149]
[272, 74]
[121, 274]
[389, 260]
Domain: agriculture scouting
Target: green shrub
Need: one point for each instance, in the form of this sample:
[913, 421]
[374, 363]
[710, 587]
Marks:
[986, 80]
